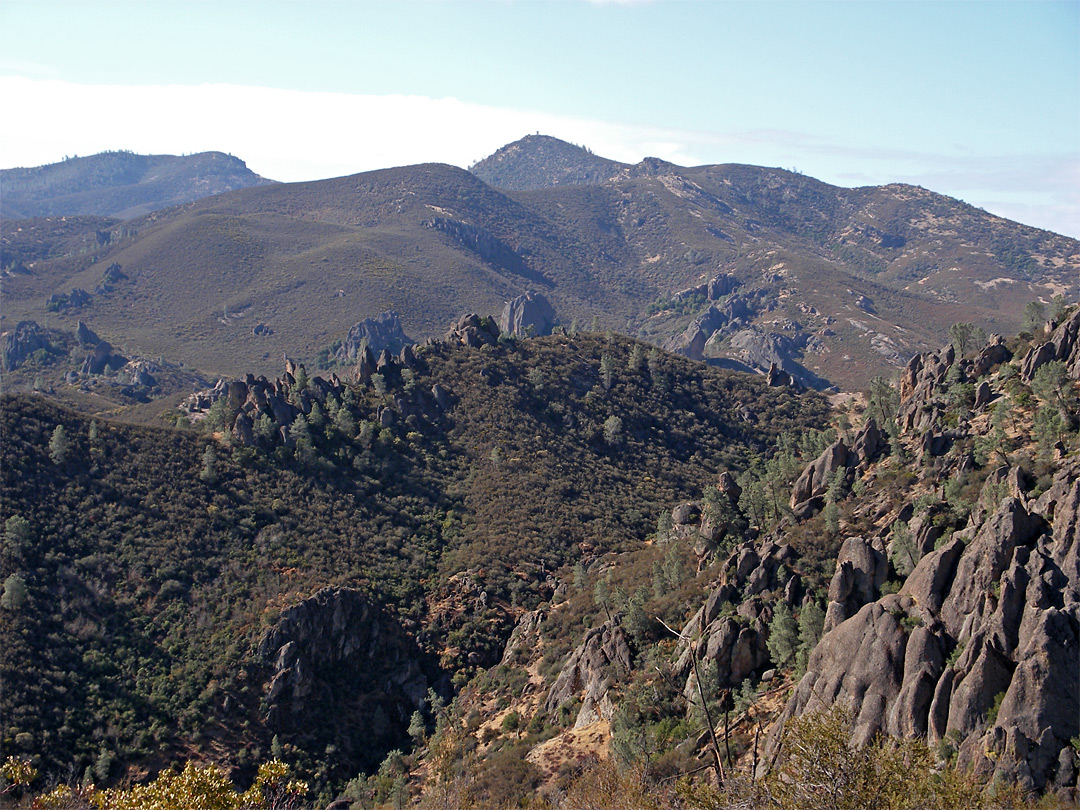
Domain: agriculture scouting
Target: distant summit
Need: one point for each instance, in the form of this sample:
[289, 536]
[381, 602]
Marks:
[540, 161]
[120, 184]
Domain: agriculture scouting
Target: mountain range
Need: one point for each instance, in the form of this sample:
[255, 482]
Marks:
[737, 265]
[575, 557]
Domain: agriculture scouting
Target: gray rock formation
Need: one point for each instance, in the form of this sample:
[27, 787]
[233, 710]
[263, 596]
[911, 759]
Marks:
[530, 314]
[335, 655]
[588, 672]
[19, 343]
[861, 568]
[815, 479]
[86, 336]
[473, 330]
[384, 331]
[101, 359]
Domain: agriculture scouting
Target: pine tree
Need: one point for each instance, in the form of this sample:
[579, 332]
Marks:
[783, 636]
[58, 445]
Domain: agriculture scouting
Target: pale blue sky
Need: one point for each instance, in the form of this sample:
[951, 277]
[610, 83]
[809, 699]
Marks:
[979, 100]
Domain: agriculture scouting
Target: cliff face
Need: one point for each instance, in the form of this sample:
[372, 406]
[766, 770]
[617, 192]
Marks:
[978, 651]
[337, 664]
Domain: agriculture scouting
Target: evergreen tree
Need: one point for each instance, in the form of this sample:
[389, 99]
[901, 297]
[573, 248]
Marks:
[58, 445]
[783, 636]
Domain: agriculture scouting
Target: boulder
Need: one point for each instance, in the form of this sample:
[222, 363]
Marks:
[817, 476]
[527, 315]
[384, 331]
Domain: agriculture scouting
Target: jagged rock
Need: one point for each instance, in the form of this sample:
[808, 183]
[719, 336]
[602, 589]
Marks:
[860, 664]
[1036, 357]
[112, 276]
[778, 378]
[919, 380]
[85, 335]
[727, 485]
[524, 637]
[472, 330]
[924, 661]
[994, 353]
[101, 359]
[365, 366]
[869, 443]
[983, 395]
[335, 653]
[685, 514]
[139, 373]
[714, 319]
[983, 562]
[721, 285]
[442, 397]
[384, 331]
[243, 430]
[19, 343]
[585, 672]
[1005, 591]
[816, 478]
[861, 568]
[928, 584]
[528, 314]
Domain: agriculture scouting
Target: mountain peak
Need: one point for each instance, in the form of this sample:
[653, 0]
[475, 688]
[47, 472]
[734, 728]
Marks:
[541, 161]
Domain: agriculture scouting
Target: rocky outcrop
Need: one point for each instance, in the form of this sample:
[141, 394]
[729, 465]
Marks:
[979, 649]
[717, 318]
[1003, 596]
[336, 655]
[589, 671]
[861, 569]
[530, 315]
[103, 358]
[19, 343]
[814, 481]
[473, 330]
[1063, 346]
[86, 336]
[384, 331]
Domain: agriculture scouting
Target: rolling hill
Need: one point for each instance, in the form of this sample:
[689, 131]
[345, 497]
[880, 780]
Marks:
[120, 184]
[738, 265]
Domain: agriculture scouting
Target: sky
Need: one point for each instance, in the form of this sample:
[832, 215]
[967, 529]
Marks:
[979, 100]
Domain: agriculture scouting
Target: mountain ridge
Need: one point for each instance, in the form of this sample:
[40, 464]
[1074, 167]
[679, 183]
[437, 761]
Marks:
[120, 184]
[837, 285]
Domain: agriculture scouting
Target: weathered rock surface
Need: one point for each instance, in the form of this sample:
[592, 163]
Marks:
[335, 655]
[384, 331]
[588, 672]
[530, 314]
[815, 479]
[19, 343]
[987, 623]
[473, 330]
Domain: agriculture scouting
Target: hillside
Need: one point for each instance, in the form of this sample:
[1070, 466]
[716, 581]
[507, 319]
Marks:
[675, 547]
[177, 591]
[120, 184]
[737, 265]
[919, 581]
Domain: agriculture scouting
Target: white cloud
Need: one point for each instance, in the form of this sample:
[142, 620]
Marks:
[292, 135]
